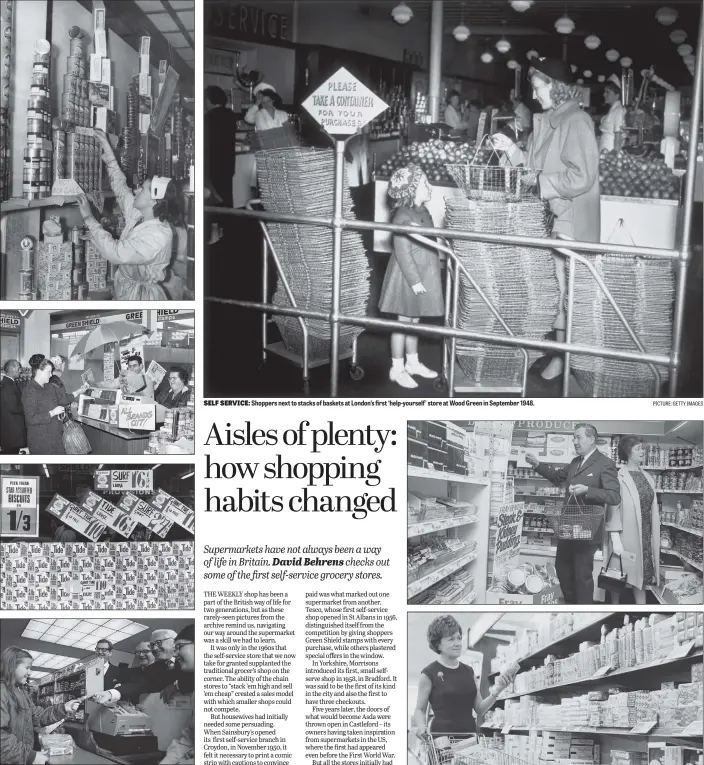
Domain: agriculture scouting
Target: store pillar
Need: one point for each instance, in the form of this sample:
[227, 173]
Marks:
[435, 77]
[36, 335]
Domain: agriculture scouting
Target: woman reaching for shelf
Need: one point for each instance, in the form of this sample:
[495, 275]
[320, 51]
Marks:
[19, 716]
[634, 525]
[450, 687]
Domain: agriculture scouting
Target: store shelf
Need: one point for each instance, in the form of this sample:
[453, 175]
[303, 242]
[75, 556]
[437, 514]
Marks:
[696, 532]
[688, 493]
[538, 496]
[527, 529]
[683, 558]
[546, 552]
[461, 599]
[606, 678]
[602, 732]
[429, 527]
[416, 472]
[15, 205]
[415, 588]
[667, 469]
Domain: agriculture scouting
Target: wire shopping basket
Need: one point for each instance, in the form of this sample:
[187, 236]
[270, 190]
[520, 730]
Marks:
[576, 521]
[451, 750]
[480, 180]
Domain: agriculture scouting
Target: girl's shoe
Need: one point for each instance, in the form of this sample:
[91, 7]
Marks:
[402, 377]
[420, 370]
[553, 369]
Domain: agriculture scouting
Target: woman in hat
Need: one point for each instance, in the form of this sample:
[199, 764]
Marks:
[144, 249]
[266, 113]
[412, 286]
[613, 121]
[563, 148]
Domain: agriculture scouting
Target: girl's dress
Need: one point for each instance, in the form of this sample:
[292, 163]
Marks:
[143, 250]
[411, 263]
[452, 696]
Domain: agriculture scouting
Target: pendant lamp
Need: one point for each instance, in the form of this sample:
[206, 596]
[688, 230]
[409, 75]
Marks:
[402, 14]
[592, 42]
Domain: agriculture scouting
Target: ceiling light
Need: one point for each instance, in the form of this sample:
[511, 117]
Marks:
[460, 32]
[503, 45]
[32, 635]
[573, 67]
[193, 472]
[666, 16]
[678, 36]
[402, 14]
[685, 49]
[580, 81]
[564, 25]
[532, 54]
[154, 467]
[592, 42]
[587, 73]
[487, 58]
[601, 78]
[512, 64]
[612, 55]
[690, 60]
[521, 5]
[626, 62]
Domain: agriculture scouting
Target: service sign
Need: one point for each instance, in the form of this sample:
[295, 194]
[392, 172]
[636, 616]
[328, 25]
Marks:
[343, 105]
[108, 514]
[131, 480]
[19, 506]
[174, 510]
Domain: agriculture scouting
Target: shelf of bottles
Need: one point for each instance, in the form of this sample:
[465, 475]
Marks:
[393, 122]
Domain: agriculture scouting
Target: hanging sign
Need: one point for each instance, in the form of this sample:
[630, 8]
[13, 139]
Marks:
[239, 21]
[8, 321]
[174, 510]
[507, 547]
[76, 517]
[143, 513]
[124, 480]
[108, 514]
[343, 105]
[19, 506]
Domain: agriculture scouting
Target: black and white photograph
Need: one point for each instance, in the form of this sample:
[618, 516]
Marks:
[97, 127]
[551, 512]
[548, 154]
[103, 382]
[97, 537]
[89, 691]
[508, 688]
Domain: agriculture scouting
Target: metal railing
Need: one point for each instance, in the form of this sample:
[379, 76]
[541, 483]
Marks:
[680, 256]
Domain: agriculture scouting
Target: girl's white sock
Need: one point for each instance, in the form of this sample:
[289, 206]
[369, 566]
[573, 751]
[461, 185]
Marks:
[397, 364]
[412, 358]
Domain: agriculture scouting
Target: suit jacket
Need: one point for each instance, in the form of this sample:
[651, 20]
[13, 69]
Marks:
[154, 679]
[13, 429]
[173, 401]
[112, 677]
[598, 473]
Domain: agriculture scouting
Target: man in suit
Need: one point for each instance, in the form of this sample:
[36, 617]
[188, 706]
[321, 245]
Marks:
[178, 393]
[145, 658]
[13, 430]
[220, 128]
[112, 675]
[590, 479]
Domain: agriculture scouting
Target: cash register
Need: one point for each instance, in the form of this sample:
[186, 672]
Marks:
[121, 728]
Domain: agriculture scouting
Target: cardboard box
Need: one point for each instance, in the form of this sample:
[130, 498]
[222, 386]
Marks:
[145, 89]
[96, 67]
[549, 596]
[100, 42]
[104, 119]
[144, 45]
[106, 71]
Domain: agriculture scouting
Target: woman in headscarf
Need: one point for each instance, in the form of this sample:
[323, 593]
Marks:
[563, 148]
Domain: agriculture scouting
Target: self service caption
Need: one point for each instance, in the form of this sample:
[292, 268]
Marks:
[337, 466]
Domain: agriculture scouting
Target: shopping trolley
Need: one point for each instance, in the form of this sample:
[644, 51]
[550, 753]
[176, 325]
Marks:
[449, 749]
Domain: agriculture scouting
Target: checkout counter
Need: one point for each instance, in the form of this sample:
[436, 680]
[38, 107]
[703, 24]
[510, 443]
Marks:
[118, 733]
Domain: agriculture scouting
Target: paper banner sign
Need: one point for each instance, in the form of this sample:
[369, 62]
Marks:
[76, 517]
[173, 509]
[109, 514]
[145, 514]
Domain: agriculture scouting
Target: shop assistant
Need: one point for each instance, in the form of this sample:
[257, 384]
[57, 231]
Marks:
[143, 251]
[591, 479]
[136, 382]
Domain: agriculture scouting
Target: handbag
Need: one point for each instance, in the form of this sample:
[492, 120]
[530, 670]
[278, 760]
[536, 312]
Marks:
[611, 579]
[75, 440]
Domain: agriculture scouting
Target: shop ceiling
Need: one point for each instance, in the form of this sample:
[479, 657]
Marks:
[630, 27]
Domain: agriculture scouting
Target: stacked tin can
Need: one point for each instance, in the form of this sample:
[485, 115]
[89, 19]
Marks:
[6, 7]
[130, 133]
[36, 181]
[79, 282]
[75, 106]
[27, 269]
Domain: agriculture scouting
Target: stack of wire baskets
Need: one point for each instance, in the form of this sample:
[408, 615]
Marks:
[301, 181]
[519, 281]
[644, 289]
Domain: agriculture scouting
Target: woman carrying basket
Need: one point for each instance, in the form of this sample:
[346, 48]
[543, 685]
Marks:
[450, 687]
[563, 147]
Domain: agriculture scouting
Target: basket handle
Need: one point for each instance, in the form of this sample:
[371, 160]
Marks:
[480, 146]
[576, 499]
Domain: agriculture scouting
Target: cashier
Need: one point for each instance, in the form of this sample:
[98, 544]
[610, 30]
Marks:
[178, 393]
[137, 383]
[144, 250]
[181, 751]
[266, 112]
[453, 117]
[612, 122]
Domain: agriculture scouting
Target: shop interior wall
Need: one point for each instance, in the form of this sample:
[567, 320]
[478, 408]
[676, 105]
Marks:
[92, 360]
[35, 335]
[29, 26]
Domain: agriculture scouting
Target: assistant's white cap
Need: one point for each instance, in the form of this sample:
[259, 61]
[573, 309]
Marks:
[158, 186]
[616, 80]
[263, 86]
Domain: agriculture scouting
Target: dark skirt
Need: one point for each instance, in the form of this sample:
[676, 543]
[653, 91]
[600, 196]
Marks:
[398, 298]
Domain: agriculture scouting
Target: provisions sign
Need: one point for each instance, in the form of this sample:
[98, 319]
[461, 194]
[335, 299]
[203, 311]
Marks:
[19, 506]
[343, 105]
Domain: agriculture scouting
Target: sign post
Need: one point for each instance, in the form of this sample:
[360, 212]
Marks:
[342, 106]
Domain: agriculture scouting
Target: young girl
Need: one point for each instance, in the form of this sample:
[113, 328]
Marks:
[144, 249]
[18, 714]
[412, 286]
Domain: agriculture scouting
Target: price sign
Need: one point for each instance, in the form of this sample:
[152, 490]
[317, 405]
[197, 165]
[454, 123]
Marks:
[343, 105]
[174, 510]
[83, 522]
[19, 506]
[603, 671]
[681, 651]
[136, 416]
[153, 519]
[65, 187]
[131, 480]
[644, 727]
[109, 514]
